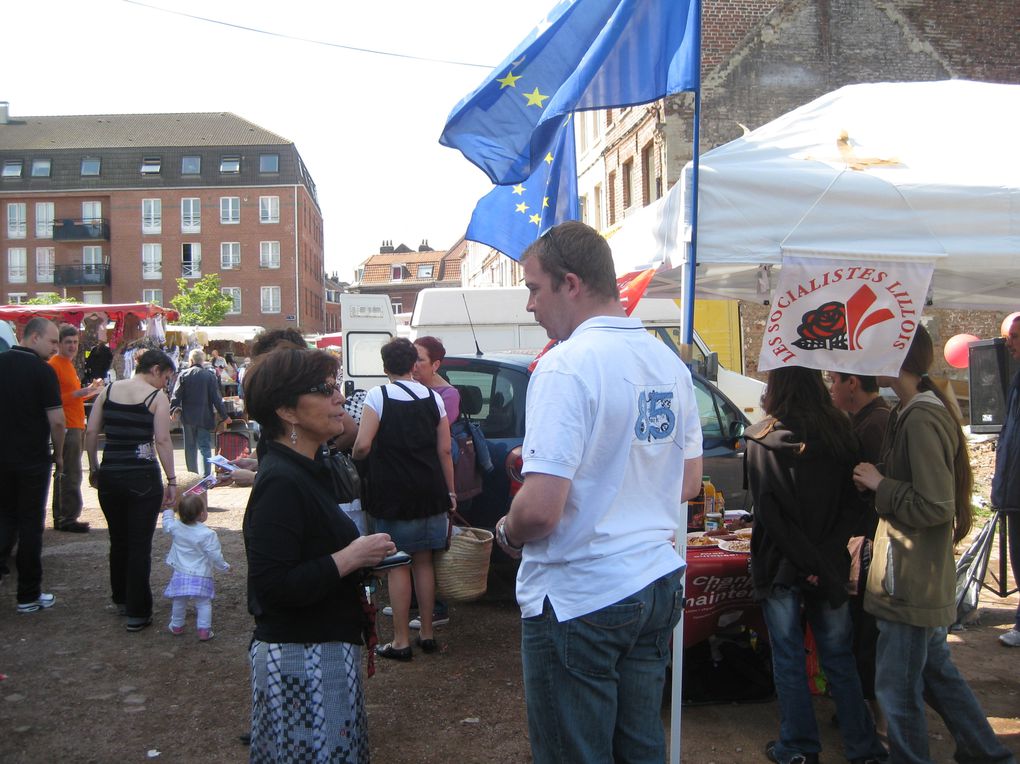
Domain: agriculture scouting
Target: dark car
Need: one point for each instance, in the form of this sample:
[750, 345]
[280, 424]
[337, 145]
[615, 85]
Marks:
[501, 381]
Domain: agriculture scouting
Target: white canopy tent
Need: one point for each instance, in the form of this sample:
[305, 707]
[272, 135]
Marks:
[921, 171]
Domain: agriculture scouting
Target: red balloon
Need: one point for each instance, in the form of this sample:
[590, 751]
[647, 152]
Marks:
[1008, 322]
[956, 352]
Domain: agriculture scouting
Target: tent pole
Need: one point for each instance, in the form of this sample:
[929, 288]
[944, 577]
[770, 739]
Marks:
[691, 264]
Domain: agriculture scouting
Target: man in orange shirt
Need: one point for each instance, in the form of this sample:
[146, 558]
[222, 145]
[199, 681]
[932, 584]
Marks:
[67, 501]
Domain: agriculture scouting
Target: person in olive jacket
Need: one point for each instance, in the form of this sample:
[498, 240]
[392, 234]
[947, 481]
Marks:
[922, 496]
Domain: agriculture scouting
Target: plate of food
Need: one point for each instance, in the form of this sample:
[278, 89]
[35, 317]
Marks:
[738, 546]
[699, 539]
[743, 533]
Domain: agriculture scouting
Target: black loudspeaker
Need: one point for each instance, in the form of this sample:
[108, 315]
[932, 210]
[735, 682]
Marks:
[992, 368]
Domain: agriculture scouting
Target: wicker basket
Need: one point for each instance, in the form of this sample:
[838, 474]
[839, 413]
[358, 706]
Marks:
[462, 571]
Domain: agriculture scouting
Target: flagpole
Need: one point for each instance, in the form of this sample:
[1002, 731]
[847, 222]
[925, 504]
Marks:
[676, 695]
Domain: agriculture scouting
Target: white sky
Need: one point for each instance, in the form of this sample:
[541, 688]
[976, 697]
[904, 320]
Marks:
[366, 125]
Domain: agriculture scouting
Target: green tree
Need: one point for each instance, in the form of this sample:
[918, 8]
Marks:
[202, 303]
[50, 298]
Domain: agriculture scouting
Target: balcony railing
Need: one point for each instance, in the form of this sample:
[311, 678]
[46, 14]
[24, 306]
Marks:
[81, 230]
[81, 275]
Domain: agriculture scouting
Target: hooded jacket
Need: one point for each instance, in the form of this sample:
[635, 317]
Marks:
[805, 509]
[913, 573]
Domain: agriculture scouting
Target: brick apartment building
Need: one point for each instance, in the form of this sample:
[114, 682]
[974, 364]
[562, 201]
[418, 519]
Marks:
[402, 272]
[116, 207]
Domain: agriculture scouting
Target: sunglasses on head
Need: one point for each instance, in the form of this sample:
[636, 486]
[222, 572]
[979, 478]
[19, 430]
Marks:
[325, 388]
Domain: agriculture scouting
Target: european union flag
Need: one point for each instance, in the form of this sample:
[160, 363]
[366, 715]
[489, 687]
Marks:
[509, 218]
[587, 54]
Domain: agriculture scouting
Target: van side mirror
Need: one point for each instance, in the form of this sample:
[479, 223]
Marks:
[712, 366]
[736, 430]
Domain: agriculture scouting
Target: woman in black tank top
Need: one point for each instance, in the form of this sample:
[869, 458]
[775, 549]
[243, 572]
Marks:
[134, 415]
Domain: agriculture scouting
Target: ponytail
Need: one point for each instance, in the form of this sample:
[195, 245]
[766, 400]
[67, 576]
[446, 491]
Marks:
[918, 361]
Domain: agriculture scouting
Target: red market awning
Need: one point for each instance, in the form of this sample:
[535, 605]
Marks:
[76, 312]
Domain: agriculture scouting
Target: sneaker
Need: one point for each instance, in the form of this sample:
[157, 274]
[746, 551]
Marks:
[73, 526]
[797, 758]
[1011, 638]
[204, 635]
[439, 618]
[138, 624]
[176, 630]
[44, 601]
[388, 611]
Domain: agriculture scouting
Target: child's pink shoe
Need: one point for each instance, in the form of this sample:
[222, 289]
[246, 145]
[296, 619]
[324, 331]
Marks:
[204, 635]
[176, 630]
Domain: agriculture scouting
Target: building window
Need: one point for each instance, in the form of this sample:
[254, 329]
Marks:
[426, 271]
[17, 298]
[627, 177]
[151, 165]
[41, 168]
[270, 299]
[152, 215]
[584, 209]
[92, 259]
[191, 215]
[191, 165]
[397, 307]
[12, 168]
[648, 191]
[45, 258]
[154, 296]
[44, 220]
[612, 198]
[230, 165]
[230, 255]
[269, 163]
[397, 273]
[269, 254]
[597, 212]
[191, 260]
[234, 293]
[230, 210]
[17, 265]
[16, 224]
[90, 166]
[92, 297]
[152, 261]
[92, 212]
[269, 209]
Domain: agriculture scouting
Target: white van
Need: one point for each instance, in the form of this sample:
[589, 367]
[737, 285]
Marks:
[487, 319]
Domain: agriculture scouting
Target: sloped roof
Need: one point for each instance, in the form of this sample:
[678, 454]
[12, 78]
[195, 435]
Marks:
[106, 131]
[378, 268]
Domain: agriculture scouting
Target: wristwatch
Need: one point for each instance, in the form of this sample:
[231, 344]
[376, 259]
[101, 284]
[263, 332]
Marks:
[501, 536]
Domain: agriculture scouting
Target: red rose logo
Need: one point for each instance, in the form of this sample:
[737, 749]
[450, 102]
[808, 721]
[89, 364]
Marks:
[823, 328]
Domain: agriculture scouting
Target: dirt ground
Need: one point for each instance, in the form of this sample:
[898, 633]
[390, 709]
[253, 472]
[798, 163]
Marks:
[77, 687]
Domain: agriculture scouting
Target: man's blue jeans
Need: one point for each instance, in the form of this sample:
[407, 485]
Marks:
[914, 665]
[833, 630]
[593, 684]
[200, 438]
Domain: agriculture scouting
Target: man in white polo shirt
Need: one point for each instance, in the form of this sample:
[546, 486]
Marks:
[612, 448]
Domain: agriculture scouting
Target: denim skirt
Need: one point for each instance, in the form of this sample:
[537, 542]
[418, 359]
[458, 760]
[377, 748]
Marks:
[416, 535]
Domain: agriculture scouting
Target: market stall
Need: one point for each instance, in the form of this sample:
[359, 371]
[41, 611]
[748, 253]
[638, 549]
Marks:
[126, 319]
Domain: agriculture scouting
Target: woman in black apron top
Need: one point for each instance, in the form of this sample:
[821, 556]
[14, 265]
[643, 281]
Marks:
[405, 435]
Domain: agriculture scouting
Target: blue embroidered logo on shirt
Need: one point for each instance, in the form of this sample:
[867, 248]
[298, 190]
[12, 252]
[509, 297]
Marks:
[656, 420]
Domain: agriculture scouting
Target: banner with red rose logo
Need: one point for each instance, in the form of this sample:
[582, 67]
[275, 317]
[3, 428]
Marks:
[854, 316]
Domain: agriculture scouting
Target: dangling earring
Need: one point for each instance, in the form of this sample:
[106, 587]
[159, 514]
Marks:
[293, 434]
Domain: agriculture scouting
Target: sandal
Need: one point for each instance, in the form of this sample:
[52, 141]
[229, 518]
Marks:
[394, 653]
[426, 645]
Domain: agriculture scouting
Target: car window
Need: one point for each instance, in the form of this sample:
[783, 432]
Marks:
[503, 392]
[716, 414]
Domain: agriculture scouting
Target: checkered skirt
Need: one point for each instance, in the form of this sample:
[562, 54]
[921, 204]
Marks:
[185, 585]
[308, 704]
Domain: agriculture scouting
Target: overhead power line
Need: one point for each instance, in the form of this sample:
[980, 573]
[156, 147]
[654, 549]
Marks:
[296, 38]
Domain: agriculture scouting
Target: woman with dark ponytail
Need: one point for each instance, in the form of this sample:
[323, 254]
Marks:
[922, 496]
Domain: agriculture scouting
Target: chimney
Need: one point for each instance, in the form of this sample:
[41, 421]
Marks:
[5, 112]
[424, 246]
[387, 247]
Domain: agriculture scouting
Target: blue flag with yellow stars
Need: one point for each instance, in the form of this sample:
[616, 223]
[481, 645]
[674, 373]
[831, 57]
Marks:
[586, 54]
[509, 218]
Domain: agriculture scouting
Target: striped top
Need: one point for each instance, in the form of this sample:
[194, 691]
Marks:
[129, 434]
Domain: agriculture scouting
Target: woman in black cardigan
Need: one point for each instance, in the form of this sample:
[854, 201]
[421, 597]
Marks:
[305, 571]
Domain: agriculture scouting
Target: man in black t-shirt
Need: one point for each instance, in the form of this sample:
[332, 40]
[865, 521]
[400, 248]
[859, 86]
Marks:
[31, 414]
